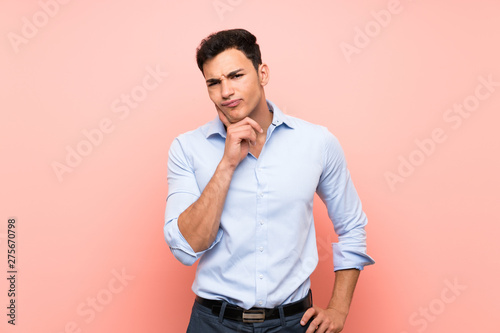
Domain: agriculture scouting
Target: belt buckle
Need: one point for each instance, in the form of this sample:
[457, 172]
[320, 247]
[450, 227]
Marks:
[254, 316]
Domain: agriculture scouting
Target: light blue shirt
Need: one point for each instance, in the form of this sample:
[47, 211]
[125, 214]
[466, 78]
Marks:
[265, 249]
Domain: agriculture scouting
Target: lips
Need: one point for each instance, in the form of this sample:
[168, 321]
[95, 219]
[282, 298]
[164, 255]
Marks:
[232, 103]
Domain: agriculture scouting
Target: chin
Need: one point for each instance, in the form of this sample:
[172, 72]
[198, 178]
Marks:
[236, 115]
[234, 120]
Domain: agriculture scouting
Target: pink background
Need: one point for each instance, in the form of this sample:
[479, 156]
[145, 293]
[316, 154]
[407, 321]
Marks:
[433, 231]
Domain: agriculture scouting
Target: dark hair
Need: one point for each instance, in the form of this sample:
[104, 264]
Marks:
[218, 42]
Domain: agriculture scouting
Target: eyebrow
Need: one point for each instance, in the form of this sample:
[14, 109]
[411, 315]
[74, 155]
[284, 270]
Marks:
[230, 74]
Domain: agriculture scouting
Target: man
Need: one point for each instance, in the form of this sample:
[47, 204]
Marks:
[240, 198]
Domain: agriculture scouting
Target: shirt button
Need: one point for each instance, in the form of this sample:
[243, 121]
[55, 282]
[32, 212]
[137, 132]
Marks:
[261, 222]
[261, 276]
[261, 194]
[260, 302]
[261, 249]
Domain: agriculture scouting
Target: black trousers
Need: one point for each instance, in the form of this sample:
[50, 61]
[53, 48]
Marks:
[203, 321]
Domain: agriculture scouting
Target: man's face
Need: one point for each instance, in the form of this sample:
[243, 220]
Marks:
[234, 85]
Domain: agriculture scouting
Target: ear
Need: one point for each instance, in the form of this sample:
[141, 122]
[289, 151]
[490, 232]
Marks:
[263, 74]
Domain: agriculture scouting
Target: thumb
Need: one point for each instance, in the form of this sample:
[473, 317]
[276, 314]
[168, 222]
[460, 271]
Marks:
[307, 315]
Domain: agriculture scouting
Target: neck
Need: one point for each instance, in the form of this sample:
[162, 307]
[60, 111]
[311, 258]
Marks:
[262, 115]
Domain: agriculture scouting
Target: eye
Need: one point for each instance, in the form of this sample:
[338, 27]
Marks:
[238, 75]
[212, 84]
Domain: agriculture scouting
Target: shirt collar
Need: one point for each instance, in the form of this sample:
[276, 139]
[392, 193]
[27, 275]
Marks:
[279, 117]
[217, 127]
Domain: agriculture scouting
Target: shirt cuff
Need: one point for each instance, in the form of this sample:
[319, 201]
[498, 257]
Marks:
[347, 257]
[180, 247]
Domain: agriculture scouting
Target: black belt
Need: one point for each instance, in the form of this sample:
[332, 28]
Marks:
[255, 315]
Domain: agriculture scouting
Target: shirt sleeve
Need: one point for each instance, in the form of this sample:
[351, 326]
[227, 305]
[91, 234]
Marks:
[337, 191]
[183, 190]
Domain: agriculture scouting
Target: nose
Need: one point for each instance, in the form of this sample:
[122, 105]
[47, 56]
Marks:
[227, 89]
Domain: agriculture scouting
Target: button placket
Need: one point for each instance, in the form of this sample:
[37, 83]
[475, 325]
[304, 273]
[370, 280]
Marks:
[261, 234]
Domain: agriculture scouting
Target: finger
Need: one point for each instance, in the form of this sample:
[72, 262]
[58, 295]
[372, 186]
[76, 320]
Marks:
[247, 120]
[312, 328]
[323, 328]
[307, 315]
[250, 122]
[255, 125]
[242, 133]
[315, 325]
[318, 324]
[250, 135]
